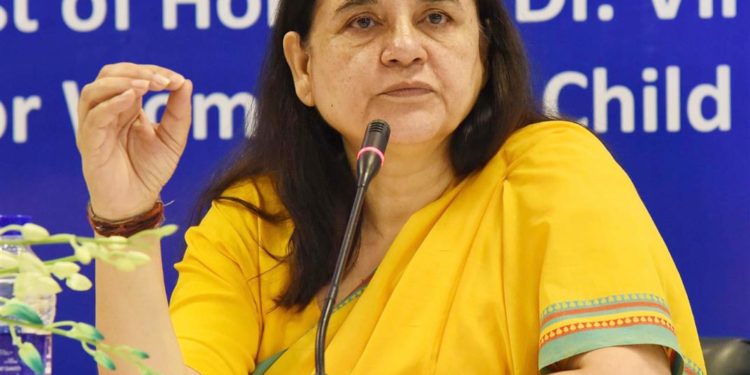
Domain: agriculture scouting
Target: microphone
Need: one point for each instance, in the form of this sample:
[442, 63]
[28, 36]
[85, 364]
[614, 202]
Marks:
[371, 155]
[369, 160]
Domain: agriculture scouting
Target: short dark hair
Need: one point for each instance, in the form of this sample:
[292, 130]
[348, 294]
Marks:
[304, 157]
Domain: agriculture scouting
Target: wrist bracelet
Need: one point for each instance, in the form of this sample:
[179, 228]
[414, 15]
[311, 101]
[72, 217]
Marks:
[130, 226]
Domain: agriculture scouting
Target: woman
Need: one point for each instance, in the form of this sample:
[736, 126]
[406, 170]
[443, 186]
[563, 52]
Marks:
[492, 242]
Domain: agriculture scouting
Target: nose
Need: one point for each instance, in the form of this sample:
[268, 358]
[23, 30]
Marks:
[403, 45]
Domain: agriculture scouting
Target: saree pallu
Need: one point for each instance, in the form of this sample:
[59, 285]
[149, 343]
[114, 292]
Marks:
[544, 254]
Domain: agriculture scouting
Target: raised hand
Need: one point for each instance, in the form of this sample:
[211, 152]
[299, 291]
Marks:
[127, 159]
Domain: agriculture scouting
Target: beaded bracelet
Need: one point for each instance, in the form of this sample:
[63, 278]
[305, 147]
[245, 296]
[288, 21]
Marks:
[130, 226]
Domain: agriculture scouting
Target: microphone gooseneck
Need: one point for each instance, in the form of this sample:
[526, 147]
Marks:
[369, 160]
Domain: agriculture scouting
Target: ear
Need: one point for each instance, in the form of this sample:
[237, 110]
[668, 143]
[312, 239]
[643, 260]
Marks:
[298, 60]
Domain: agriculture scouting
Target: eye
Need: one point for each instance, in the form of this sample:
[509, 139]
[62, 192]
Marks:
[363, 22]
[437, 18]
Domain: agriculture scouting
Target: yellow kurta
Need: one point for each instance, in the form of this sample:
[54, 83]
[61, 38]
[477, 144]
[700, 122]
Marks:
[546, 253]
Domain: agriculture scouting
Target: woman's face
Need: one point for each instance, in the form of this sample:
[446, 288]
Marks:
[414, 63]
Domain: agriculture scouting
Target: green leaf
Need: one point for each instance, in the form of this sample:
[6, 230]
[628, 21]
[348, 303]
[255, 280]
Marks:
[140, 354]
[21, 312]
[163, 231]
[33, 232]
[62, 270]
[138, 258]
[167, 230]
[125, 350]
[115, 243]
[78, 282]
[83, 253]
[117, 239]
[103, 359]
[124, 264]
[8, 260]
[30, 356]
[87, 331]
[31, 284]
[29, 262]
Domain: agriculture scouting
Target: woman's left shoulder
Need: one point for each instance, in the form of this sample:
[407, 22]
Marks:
[551, 138]
[562, 161]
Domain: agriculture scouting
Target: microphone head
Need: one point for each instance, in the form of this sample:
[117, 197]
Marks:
[372, 153]
[377, 135]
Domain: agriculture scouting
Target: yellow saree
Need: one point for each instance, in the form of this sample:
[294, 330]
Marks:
[546, 253]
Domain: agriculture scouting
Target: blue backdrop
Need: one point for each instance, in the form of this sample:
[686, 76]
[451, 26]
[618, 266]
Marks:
[665, 83]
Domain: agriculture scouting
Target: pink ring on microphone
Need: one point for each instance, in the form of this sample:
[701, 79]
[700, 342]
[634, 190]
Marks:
[372, 149]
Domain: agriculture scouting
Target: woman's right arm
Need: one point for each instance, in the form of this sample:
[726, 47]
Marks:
[126, 161]
[132, 309]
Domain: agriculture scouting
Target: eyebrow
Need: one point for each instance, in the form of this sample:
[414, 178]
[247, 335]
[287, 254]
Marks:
[353, 3]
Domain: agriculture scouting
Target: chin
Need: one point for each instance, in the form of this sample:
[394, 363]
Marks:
[406, 131]
[415, 124]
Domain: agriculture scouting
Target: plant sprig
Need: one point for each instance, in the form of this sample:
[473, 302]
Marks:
[36, 278]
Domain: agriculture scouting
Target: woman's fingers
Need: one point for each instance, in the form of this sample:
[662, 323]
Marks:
[109, 110]
[159, 76]
[105, 88]
[111, 102]
[114, 79]
[175, 124]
